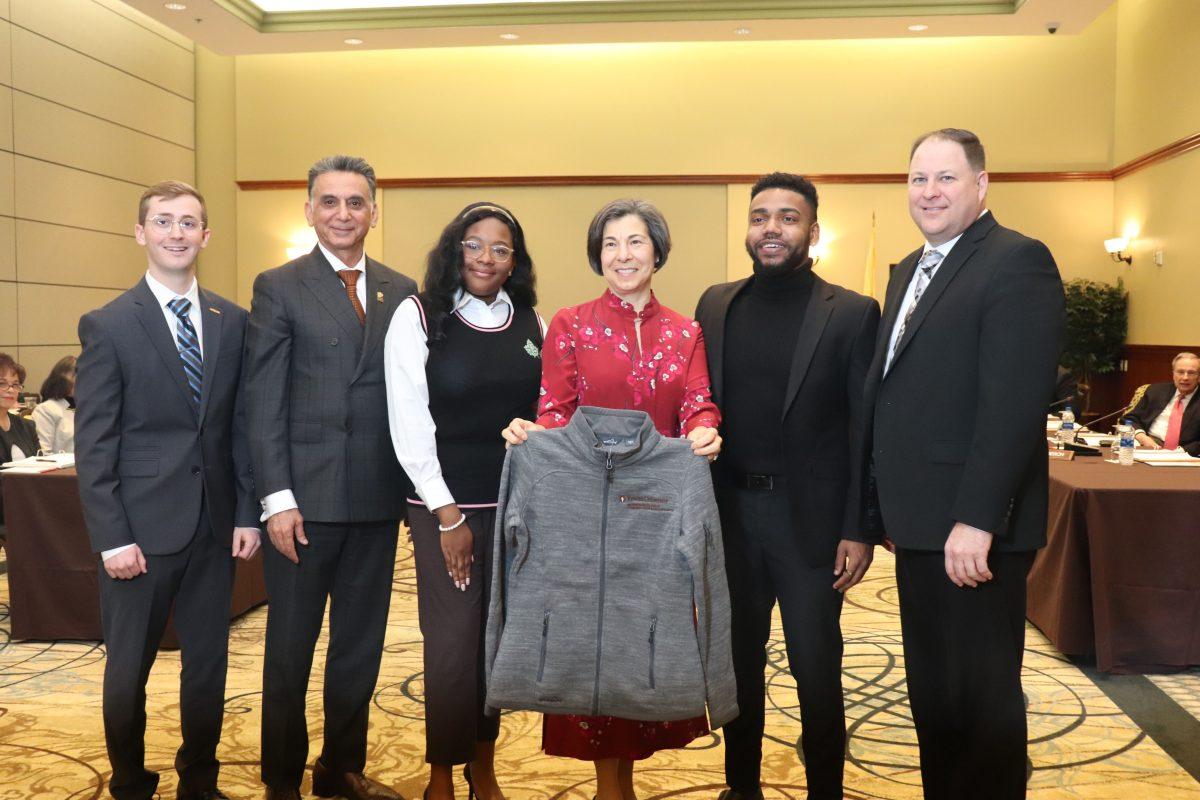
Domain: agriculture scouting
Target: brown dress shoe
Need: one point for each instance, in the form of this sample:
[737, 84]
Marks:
[350, 785]
[282, 794]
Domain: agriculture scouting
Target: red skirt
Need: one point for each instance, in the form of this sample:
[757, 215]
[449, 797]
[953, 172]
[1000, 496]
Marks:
[594, 738]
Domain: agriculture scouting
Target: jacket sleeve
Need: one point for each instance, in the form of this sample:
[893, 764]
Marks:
[100, 390]
[701, 546]
[696, 408]
[503, 550]
[560, 375]
[268, 366]
[1021, 332]
[861, 354]
[246, 514]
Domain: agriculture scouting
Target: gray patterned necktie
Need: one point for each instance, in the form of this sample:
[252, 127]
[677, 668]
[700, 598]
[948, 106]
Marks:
[925, 268]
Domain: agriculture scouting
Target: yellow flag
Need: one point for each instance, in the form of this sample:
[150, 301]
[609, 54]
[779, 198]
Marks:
[869, 274]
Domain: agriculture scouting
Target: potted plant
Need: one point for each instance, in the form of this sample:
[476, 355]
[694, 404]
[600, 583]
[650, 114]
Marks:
[1097, 321]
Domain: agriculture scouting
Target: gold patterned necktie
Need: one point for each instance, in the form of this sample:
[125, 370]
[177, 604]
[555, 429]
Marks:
[350, 278]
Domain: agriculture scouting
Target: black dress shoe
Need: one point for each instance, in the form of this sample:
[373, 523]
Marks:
[203, 794]
[282, 794]
[734, 794]
[350, 785]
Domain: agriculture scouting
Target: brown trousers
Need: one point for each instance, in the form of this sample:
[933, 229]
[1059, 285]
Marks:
[453, 624]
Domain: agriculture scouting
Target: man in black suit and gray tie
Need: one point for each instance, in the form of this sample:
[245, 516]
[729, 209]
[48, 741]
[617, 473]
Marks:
[164, 477]
[332, 491]
[787, 354]
[964, 369]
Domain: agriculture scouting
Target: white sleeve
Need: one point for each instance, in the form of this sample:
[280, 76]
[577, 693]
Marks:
[541, 325]
[45, 420]
[272, 504]
[405, 351]
[107, 554]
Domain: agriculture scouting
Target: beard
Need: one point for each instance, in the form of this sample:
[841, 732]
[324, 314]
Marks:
[794, 258]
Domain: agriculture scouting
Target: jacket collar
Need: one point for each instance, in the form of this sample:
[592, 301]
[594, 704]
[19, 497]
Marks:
[625, 435]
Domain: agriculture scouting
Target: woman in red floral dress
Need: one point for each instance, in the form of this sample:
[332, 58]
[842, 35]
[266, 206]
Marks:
[624, 350]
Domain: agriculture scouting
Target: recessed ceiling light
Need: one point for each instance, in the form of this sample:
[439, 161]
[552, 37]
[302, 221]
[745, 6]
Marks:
[742, 31]
[918, 28]
[174, 6]
[509, 37]
[353, 40]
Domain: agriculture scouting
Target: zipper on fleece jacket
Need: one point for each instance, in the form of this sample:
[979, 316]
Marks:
[608, 479]
[653, 630]
[545, 640]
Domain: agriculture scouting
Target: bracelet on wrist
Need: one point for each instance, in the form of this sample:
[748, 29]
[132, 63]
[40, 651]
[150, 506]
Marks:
[447, 529]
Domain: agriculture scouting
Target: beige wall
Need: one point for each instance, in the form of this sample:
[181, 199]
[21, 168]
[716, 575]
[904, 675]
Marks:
[96, 101]
[1158, 102]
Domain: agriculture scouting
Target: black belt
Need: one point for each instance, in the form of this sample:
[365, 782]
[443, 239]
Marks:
[747, 480]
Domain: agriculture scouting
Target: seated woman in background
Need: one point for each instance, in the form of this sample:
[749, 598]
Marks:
[55, 415]
[18, 437]
[461, 359]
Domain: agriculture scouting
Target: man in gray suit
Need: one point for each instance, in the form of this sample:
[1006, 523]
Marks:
[332, 491]
[164, 477]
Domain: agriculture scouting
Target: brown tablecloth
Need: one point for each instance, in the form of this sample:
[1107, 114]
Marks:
[1120, 574]
[53, 583]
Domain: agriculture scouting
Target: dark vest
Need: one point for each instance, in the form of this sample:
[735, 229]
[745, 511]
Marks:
[479, 380]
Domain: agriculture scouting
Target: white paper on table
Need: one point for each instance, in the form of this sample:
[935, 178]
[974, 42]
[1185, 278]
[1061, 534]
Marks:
[1164, 457]
[1191, 462]
[40, 463]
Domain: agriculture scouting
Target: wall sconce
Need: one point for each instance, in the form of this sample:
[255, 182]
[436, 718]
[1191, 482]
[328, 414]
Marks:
[1116, 248]
[818, 251]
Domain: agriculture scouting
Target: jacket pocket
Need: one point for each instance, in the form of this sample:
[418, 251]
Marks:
[545, 640]
[138, 467]
[653, 636]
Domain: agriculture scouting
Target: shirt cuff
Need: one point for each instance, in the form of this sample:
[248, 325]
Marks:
[703, 420]
[107, 554]
[436, 494]
[275, 502]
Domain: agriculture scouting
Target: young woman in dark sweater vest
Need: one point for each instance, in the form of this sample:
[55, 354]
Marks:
[462, 358]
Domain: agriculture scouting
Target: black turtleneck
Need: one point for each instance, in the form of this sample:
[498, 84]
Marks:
[760, 336]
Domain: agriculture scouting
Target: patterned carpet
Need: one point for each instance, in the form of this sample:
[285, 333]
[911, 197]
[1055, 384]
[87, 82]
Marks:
[1081, 744]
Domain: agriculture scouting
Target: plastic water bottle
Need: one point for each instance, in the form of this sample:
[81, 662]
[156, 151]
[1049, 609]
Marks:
[1066, 433]
[1125, 432]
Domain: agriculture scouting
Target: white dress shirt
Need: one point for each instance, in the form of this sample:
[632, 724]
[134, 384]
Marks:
[944, 248]
[284, 499]
[164, 295]
[1158, 428]
[405, 351]
[55, 421]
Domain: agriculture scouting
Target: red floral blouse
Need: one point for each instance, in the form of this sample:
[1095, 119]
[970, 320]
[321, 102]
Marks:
[591, 358]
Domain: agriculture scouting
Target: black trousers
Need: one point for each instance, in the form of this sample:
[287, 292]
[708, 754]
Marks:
[765, 565]
[453, 623]
[198, 582]
[962, 657]
[351, 566]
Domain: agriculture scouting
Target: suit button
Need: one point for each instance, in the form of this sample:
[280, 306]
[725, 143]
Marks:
[195, 470]
[333, 342]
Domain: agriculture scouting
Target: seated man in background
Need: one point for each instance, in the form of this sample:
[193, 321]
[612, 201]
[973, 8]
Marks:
[1166, 418]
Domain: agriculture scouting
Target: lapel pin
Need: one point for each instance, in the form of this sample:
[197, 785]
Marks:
[379, 297]
[216, 311]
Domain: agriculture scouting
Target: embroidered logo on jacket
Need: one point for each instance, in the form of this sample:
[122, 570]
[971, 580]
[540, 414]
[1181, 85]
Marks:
[531, 349]
[645, 502]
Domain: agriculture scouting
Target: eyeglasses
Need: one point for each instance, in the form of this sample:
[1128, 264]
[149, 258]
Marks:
[500, 252]
[16, 387]
[164, 224]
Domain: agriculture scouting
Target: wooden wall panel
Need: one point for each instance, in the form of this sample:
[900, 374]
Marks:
[49, 315]
[51, 71]
[6, 118]
[8, 313]
[50, 193]
[1150, 363]
[8, 207]
[98, 32]
[55, 254]
[8, 254]
[56, 133]
[149, 23]
[5, 52]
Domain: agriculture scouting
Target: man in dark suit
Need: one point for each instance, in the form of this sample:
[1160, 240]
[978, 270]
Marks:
[787, 356]
[964, 369]
[164, 477]
[1167, 417]
[331, 488]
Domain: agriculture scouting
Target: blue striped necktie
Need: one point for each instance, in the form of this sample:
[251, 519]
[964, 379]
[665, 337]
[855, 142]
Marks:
[189, 346]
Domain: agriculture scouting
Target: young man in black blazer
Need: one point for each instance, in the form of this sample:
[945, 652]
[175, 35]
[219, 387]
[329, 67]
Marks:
[964, 369]
[164, 477]
[787, 356]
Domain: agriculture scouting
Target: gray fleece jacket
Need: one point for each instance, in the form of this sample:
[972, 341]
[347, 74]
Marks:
[606, 534]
